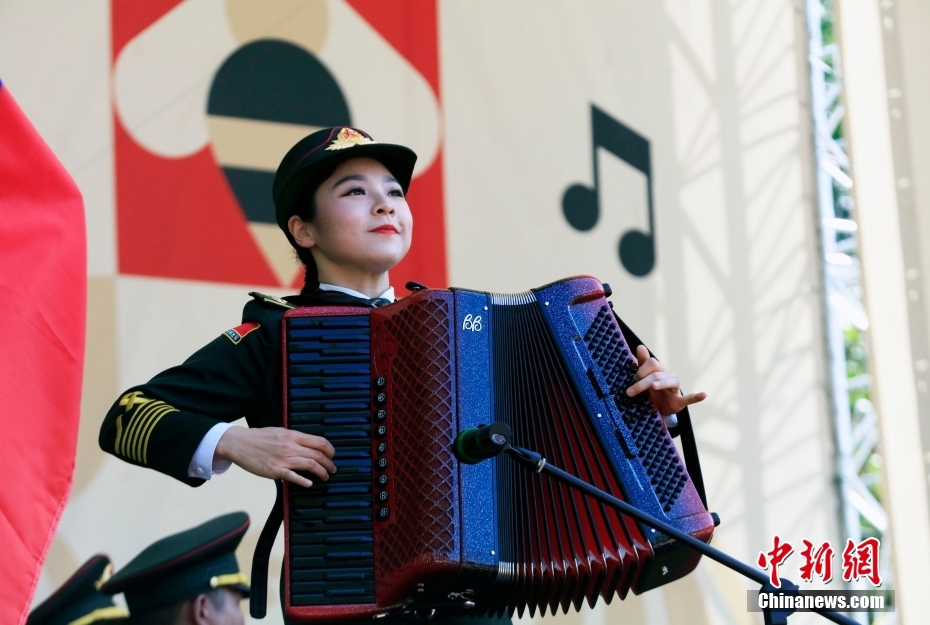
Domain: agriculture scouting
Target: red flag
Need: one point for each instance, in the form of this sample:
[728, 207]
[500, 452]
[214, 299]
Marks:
[43, 302]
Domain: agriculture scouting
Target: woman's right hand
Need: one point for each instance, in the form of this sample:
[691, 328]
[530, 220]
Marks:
[278, 453]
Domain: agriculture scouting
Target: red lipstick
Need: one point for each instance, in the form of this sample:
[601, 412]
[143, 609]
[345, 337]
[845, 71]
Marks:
[386, 229]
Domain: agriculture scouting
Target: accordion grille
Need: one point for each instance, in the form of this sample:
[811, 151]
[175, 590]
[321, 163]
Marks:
[654, 448]
[419, 357]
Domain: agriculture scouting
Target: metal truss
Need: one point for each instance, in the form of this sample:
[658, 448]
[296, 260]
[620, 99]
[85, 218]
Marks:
[857, 444]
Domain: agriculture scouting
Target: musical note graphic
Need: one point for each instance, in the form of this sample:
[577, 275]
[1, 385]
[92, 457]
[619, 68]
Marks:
[581, 204]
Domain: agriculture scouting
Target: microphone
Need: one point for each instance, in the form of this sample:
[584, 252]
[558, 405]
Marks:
[481, 443]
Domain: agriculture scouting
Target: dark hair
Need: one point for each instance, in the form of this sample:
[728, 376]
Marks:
[159, 616]
[305, 208]
[171, 614]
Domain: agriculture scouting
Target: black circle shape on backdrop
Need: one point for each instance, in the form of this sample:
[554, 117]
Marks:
[274, 81]
[580, 207]
[637, 253]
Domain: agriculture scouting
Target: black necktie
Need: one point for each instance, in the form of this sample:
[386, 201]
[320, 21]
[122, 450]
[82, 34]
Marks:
[377, 302]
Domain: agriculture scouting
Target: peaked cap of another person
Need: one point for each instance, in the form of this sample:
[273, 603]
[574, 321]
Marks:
[79, 600]
[184, 565]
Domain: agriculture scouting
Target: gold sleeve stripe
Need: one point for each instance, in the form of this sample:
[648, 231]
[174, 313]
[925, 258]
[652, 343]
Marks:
[139, 420]
[101, 614]
[145, 442]
[142, 407]
[138, 425]
[133, 442]
[121, 450]
[127, 434]
[146, 407]
[119, 433]
[145, 430]
[123, 445]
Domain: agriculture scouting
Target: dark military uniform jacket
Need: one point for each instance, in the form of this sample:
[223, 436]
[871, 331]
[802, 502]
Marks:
[159, 424]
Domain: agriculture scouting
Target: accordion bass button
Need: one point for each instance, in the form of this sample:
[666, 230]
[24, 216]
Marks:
[381, 430]
[383, 496]
[382, 447]
[381, 398]
[381, 414]
[384, 513]
[381, 464]
[382, 479]
[380, 382]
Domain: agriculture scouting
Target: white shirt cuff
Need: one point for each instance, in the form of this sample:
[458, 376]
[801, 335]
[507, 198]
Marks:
[671, 420]
[203, 465]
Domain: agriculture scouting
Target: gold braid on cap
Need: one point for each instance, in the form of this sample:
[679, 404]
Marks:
[347, 138]
[101, 614]
[229, 580]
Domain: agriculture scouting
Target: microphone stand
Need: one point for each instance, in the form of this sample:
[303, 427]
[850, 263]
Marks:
[535, 462]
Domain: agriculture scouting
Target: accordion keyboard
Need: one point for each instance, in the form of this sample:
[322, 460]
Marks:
[329, 386]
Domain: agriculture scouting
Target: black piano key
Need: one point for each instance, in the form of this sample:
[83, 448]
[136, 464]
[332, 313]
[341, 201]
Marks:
[341, 587]
[331, 406]
[303, 358]
[331, 370]
[316, 419]
[321, 526]
[337, 537]
[303, 559]
[347, 574]
[327, 336]
[348, 321]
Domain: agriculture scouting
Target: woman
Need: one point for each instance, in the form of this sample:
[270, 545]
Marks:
[340, 199]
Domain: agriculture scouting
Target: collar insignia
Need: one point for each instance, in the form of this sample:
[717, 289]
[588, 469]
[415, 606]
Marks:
[346, 139]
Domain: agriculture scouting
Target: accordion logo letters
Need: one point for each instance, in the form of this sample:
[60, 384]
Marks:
[210, 94]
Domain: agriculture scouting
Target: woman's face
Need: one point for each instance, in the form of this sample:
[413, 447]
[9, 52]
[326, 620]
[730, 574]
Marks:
[362, 219]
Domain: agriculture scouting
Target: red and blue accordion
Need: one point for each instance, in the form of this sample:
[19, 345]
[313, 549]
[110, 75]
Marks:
[404, 527]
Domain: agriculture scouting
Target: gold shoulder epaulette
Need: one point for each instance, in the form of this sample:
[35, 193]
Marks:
[271, 299]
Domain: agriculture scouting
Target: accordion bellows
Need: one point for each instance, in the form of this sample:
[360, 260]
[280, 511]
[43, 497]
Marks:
[404, 525]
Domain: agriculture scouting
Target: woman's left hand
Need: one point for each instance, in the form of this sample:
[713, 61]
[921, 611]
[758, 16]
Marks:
[662, 385]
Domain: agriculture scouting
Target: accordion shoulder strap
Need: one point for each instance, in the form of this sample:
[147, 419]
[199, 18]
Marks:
[258, 595]
[684, 429]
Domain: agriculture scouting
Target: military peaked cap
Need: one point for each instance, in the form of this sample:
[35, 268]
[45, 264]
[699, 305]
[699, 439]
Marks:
[301, 167]
[79, 600]
[184, 565]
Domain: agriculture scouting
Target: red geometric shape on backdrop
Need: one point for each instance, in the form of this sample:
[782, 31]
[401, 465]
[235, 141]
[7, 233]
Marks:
[178, 217]
[411, 27]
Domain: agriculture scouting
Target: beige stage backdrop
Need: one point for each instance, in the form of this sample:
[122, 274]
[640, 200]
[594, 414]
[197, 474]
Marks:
[153, 109]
